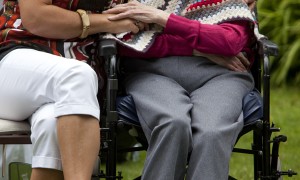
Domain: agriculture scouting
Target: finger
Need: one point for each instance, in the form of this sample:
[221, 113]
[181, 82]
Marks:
[243, 60]
[233, 68]
[140, 25]
[119, 16]
[135, 30]
[147, 27]
[115, 10]
[230, 64]
[235, 62]
[121, 8]
[240, 66]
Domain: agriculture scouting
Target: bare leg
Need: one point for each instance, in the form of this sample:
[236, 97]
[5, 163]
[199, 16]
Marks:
[79, 142]
[46, 174]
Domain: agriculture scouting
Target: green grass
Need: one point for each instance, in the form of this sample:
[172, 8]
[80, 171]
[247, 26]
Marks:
[285, 106]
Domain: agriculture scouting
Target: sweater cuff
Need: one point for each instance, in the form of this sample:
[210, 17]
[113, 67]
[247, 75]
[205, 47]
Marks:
[181, 26]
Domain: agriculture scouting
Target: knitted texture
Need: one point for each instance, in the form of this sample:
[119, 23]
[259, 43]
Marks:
[204, 11]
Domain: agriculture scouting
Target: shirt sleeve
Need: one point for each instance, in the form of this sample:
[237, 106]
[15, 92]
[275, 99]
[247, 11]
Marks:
[163, 46]
[223, 39]
[181, 36]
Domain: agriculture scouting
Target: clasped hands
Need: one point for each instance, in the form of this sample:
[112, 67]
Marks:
[142, 15]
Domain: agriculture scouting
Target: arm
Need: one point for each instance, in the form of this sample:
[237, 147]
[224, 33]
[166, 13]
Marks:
[225, 39]
[163, 46]
[52, 21]
[238, 63]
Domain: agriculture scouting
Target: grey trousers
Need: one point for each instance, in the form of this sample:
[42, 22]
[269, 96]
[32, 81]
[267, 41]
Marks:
[190, 110]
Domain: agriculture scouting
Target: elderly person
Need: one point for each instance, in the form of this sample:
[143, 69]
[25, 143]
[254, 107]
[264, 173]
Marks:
[188, 78]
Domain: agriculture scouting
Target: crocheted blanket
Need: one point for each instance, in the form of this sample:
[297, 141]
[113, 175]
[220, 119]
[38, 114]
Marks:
[204, 11]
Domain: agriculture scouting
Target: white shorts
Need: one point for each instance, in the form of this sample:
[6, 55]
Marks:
[47, 86]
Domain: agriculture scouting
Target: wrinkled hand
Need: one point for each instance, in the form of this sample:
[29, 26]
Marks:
[238, 63]
[139, 12]
[124, 25]
[251, 4]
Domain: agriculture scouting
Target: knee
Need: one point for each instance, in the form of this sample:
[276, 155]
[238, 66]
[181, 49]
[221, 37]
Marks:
[212, 138]
[179, 128]
[80, 74]
[84, 73]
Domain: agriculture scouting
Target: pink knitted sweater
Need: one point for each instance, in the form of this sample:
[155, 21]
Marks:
[181, 36]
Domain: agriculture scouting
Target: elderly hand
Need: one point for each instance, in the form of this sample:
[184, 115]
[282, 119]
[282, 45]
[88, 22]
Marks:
[251, 4]
[238, 63]
[139, 12]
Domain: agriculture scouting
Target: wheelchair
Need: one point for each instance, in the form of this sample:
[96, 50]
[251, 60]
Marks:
[120, 119]
[256, 109]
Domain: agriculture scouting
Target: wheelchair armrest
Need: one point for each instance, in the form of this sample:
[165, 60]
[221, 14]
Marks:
[107, 47]
[268, 47]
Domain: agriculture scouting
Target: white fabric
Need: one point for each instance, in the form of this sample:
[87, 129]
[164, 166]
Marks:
[31, 78]
[47, 86]
[43, 125]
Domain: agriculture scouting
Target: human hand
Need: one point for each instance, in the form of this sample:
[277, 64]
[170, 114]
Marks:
[139, 12]
[124, 25]
[238, 63]
[251, 4]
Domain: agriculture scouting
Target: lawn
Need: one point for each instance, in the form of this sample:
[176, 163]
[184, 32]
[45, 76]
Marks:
[285, 106]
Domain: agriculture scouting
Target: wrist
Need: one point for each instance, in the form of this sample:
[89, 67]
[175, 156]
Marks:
[163, 19]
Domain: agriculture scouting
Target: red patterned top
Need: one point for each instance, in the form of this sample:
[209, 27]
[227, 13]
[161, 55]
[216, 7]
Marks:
[14, 35]
[13, 32]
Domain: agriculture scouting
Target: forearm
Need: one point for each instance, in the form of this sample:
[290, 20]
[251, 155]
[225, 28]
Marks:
[51, 21]
[163, 46]
[224, 39]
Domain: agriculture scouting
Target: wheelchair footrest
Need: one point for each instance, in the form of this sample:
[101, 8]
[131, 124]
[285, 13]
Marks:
[288, 173]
